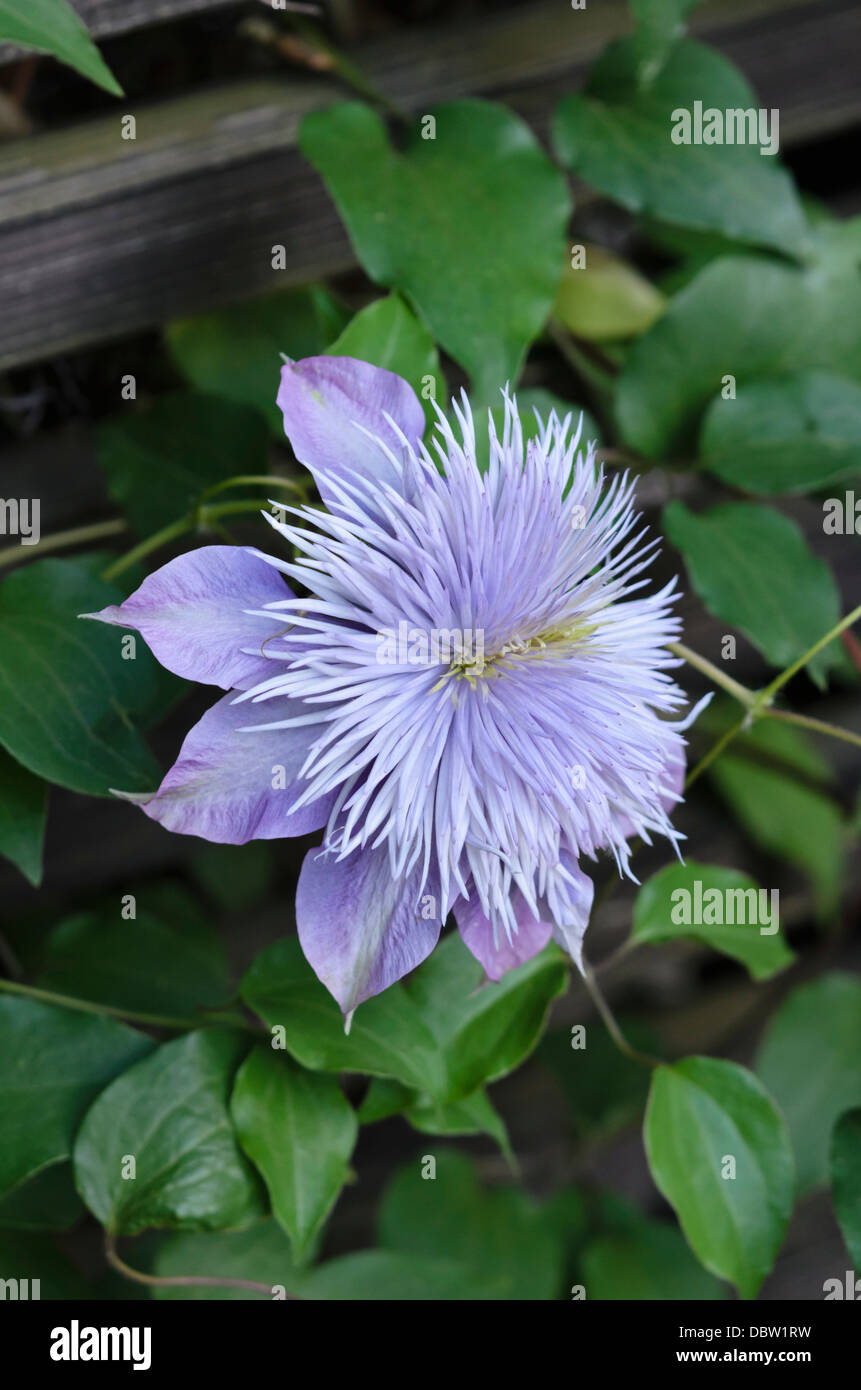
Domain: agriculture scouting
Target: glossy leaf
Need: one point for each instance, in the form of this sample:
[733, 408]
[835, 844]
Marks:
[64, 1058]
[753, 569]
[160, 460]
[696, 901]
[797, 433]
[23, 810]
[70, 719]
[236, 352]
[26, 1255]
[150, 964]
[484, 1032]
[650, 1263]
[719, 1151]
[788, 818]
[46, 1202]
[388, 334]
[387, 1037]
[53, 26]
[659, 23]
[622, 137]
[745, 317]
[169, 1114]
[469, 224]
[809, 1061]
[846, 1180]
[260, 1253]
[500, 1236]
[299, 1130]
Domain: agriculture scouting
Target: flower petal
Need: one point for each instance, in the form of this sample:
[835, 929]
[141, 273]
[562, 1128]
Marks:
[325, 399]
[191, 613]
[221, 785]
[503, 955]
[569, 903]
[360, 928]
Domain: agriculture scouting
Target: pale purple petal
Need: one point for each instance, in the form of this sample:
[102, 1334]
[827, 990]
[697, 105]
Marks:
[501, 955]
[191, 614]
[569, 903]
[231, 786]
[325, 399]
[360, 928]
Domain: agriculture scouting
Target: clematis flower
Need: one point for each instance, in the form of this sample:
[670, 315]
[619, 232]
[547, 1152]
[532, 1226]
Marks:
[470, 698]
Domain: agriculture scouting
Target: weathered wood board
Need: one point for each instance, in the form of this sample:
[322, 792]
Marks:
[101, 237]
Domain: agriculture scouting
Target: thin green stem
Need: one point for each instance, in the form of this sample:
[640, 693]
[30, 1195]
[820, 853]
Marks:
[740, 692]
[144, 548]
[716, 749]
[197, 519]
[349, 74]
[254, 480]
[79, 535]
[612, 1026]
[818, 726]
[770, 690]
[87, 1006]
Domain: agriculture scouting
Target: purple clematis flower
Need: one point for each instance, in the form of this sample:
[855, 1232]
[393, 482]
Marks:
[469, 701]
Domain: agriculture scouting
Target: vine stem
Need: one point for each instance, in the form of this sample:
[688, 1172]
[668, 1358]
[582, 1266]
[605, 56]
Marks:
[88, 1006]
[612, 1026]
[181, 1281]
[199, 517]
[255, 480]
[79, 535]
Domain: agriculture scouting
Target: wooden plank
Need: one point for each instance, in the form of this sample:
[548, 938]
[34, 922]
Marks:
[101, 237]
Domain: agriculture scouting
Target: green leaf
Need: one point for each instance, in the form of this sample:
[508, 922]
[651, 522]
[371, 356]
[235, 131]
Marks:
[846, 1180]
[787, 818]
[67, 697]
[387, 1037]
[62, 1058]
[702, 1113]
[474, 1114]
[389, 1276]
[23, 811]
[796, 433]
[606, 299]
[486, 1032]
[25, 1255]
[388, 334]
[753, 569]
[158, 461]
[740, 927]
[809, 1061]
[299, 1129]
[659, 23]
[500, 1238]
[743, 316]
[470, 224]
[620, 137]
[261, 1253]
[169, 1113]
[383, 1099]
[236, 352]
[46, 1202]
[52, 26]
[649, 1263]
[148, 965]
